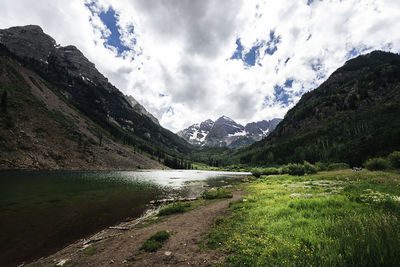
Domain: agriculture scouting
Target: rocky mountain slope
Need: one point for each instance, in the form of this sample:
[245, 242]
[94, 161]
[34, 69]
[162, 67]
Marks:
[351, 117]
[141, 110]
[59, 111]
[226, 132]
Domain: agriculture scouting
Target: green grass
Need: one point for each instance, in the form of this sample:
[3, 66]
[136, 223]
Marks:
[90, 251]
[155, 242]
[217, 194]
[177, 207]
[339, 218]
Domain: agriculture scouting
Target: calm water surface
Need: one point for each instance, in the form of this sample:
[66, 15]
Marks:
[41, 212]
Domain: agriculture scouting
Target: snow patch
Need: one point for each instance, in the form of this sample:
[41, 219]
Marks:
[266, 132]
[226, 118]
[241, 133]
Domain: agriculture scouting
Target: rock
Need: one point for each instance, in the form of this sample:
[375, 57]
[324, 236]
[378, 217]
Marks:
[62, 262]
[295, 195]
[167, 253]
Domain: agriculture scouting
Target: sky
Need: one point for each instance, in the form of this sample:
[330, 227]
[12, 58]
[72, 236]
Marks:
[187, 61]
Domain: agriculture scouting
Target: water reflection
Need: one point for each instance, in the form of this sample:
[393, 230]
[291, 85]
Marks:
[40, 212]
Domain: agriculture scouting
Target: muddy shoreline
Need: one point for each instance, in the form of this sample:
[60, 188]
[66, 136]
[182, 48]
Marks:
[119, 245]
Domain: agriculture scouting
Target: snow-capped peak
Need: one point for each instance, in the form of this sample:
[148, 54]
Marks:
[226, 118]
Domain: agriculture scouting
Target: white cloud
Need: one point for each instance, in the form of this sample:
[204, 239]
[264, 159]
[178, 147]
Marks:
[181, 48]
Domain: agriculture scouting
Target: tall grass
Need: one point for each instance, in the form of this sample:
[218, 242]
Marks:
[340, 218]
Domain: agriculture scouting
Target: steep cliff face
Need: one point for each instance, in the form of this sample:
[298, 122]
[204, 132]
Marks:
[69, 75]
[141, 110]
[39, 130]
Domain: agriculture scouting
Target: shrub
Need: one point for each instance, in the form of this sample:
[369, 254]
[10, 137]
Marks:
[394, 159]
[295, 169]
[376, 164]
[90, 251]
[174, 208]
[217, 193]
[309, 168]
[271, 171]
[321, 166]
[256, 172]
[285, 169]
[155, 242]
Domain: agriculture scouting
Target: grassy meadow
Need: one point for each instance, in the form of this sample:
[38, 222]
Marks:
[335, 218]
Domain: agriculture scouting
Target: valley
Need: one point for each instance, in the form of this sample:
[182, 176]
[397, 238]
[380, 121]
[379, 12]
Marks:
[76, 152]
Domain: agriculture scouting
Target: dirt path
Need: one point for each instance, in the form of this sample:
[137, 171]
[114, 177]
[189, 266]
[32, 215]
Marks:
[121, 249]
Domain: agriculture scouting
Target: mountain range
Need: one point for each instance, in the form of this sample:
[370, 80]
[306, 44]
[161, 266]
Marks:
[57, 111]
[53, 97]
[351, 117]
[226, 132]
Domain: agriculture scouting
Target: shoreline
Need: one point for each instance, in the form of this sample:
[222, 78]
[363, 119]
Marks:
[129, 236]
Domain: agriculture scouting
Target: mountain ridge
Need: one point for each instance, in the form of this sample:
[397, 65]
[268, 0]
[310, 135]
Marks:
[226, 132]
[75, 81]
[350, 117]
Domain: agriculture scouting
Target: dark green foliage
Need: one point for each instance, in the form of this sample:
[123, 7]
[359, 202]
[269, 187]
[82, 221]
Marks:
[256, 172]
[217, 194]
[271, 171]
[90, 251]
[177, 207]
[321, 166]
[155, 242]
[351, 117]
[309, 168]
[151, 246]
[104, 105]
[175, 163]
[394, 159]
[296, 169]
[377, 164]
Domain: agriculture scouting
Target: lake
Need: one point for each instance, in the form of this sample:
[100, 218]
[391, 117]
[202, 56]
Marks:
[43, 211]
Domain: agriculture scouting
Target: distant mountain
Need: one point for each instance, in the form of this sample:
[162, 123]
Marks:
[59, 111]
[226, 132]
[351, 117]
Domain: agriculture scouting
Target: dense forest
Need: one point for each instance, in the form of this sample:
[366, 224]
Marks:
[351, 117]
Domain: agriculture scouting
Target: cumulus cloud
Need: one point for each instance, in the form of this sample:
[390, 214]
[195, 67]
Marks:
[188, 61]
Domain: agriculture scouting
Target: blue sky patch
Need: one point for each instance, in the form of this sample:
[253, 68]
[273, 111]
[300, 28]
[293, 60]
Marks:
[239, 50]
[248, 58]
[288, 83]
[109, 19]
[251, 57]
[281, 95]
[356, 51]
[272, 44]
